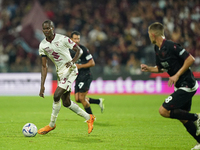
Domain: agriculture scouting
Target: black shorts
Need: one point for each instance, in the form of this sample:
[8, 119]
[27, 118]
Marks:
[180, 99]
[83, 83]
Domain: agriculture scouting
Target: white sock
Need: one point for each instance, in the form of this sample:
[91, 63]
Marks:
[75, 108]
[55, 110]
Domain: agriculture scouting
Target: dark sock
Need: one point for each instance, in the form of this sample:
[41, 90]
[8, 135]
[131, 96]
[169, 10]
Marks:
[191, 128]
[182, 115]
[94, 101]
[88, 110]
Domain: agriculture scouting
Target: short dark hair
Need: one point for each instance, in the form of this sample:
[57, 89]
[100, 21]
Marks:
[75, 32]
[49, 22]
[157, 27]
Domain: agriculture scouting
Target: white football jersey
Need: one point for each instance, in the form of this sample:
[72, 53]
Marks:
[58, 51]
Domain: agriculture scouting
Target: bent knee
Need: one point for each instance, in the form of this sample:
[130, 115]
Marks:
[84, 102]
[67, 103]
[77, 100]
[56, 97]
[80, 99]
[164, 112]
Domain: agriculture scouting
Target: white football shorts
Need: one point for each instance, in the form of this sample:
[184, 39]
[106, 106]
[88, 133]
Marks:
[67, 79]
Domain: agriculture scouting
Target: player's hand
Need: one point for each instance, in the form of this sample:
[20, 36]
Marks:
[144, 68]
[69, 64]
[41, 94]
[78, 66]
[172, 80]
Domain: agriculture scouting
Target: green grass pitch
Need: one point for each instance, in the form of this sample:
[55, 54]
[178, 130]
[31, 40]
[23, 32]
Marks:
[130, 122]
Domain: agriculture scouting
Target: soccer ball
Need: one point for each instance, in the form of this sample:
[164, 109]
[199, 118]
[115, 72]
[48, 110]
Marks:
[29, 130]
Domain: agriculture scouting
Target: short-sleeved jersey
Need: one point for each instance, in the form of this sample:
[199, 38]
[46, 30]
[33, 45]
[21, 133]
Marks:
[57, 50]
[85, 57]
[171, 57]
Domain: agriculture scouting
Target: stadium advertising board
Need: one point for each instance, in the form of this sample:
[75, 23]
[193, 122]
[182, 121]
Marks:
[128, 86]
[23, 84]
[29, 84]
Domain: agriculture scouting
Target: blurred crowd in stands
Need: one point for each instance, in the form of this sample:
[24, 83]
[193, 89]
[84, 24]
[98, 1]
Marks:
[115, 31]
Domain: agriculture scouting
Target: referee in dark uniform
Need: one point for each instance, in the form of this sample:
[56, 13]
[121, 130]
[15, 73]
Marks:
[176, 61]
[84, 77]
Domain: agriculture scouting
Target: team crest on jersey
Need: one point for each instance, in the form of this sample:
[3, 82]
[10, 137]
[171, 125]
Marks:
[174, 46]
[56, 43]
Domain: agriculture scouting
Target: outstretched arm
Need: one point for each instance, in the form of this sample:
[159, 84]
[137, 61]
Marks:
[89, 64]
[43, 76]
[146, 68]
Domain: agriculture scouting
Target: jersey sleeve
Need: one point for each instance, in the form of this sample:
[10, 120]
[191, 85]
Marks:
[180, 52]
[69, 43]
[41, 51]
[87, 55]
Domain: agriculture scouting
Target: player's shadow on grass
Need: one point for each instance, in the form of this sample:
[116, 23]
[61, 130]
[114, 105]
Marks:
[82, 138]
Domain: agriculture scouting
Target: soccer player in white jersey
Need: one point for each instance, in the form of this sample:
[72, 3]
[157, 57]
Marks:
[56, 47]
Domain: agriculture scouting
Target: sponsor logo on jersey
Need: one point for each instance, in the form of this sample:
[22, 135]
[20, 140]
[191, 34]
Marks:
[165, 64]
